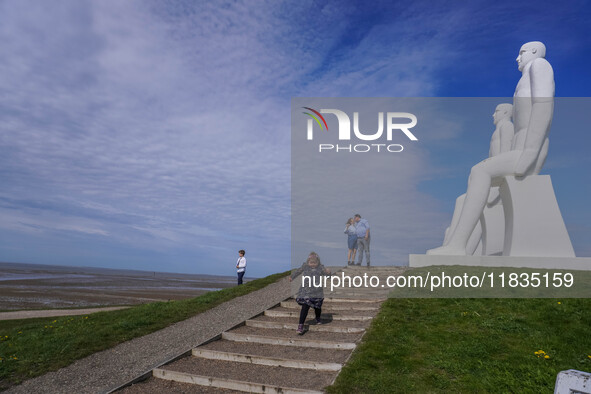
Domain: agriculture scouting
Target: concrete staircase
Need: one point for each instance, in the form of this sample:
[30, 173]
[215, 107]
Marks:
[265, 355]
[381, 289]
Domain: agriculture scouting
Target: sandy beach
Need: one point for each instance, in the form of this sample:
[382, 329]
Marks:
[33, 286]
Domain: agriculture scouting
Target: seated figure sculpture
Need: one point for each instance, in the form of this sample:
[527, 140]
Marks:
[500, 142]
[533, 107]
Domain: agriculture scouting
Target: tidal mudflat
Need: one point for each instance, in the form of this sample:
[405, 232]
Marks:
[34, 286]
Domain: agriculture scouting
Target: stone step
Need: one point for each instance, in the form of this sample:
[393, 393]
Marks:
[231, 384]
[251, 377]
[360, 289]
[371, 272]
[362, 292]
[295, 342]
[367, 279]
[374, 268]
[154, 385]
[352, 280]
[329, 311]
[338, 356]
[293, 326]
[265, 360]
[332, 307]
[266, 355]
[325, 318]
[358, 272]
[344, 301]
[275, 313]
[359, 295]
[347, 337]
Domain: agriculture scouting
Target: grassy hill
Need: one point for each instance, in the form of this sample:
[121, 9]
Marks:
[470, 345]
[32, 347]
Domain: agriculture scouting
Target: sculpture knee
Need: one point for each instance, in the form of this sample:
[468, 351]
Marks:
[477, 172]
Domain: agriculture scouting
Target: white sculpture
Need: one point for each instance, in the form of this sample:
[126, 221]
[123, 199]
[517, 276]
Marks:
[533, 106]
[500, 142]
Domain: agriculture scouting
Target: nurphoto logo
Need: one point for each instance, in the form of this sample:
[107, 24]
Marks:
[393, 124]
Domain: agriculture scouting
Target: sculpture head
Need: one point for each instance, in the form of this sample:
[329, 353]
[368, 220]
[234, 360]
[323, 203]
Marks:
[503, 111]
[530, 51]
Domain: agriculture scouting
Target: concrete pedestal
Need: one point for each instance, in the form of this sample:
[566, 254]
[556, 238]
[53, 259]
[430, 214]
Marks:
[567, 263]
[533, 222]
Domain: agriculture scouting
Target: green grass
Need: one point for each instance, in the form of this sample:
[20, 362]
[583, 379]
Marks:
[469, 345]
[32, 347]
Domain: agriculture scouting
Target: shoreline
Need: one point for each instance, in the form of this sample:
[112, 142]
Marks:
[42, 287]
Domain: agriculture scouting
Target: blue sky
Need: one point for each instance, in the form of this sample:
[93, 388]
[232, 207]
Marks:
[155, 135]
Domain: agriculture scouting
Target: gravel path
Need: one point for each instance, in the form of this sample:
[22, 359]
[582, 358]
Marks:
[106, 370]
[55, 312]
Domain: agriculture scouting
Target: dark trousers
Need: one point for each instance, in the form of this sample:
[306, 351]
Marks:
[304, 313]
[240, 276]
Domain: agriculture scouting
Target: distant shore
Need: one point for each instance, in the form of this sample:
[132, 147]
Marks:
[35, 286]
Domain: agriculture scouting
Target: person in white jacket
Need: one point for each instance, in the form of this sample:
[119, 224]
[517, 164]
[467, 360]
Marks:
[241, 265]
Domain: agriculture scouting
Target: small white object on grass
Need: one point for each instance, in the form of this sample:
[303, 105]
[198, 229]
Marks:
[573, 381]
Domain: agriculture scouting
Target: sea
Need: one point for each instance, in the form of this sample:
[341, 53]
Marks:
[37, 286]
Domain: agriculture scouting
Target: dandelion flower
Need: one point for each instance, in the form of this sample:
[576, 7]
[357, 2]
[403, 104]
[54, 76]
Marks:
[559, 302]
[546, 357]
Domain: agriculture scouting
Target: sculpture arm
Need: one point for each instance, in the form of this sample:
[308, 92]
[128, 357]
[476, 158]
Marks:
[542, 108]
[495, 144]
[506, 134]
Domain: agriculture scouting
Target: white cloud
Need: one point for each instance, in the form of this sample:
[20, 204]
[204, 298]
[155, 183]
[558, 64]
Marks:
[165, 125]
[169, 124]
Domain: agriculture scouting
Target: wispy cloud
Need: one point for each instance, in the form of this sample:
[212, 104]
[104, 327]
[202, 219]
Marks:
[167, 122]
[163, 127]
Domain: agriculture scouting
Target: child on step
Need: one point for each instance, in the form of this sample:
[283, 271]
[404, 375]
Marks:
[310, 296]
